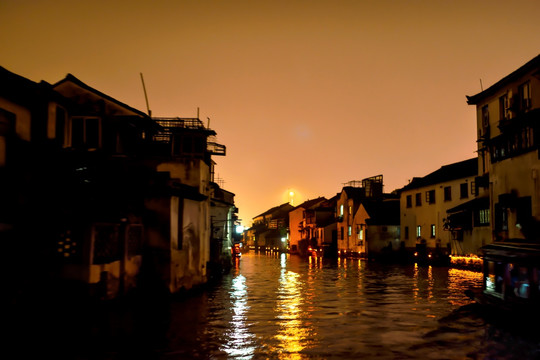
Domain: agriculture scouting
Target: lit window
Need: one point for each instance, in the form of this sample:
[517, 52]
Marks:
[341, 210]
[430, 197]
[433, 230]
[349, 231]
[418, 231]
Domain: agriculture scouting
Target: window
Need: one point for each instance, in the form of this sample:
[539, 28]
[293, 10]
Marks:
[447, 193]
[418, 199]
[60, 124]
[433, 234]
[483, 217]
[85, 132]
[350, 210]
[419, 231]
[485, 121]
[342, 233]
[503, 107]
[360, 232]
[474, 188]
[341, 210]
[463, 191]
[409, 201]
[430, 197]
[349, 231]
[525, 96]
[406, 232]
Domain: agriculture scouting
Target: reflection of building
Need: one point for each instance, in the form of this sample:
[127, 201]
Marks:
[507, 118]
[424, 205]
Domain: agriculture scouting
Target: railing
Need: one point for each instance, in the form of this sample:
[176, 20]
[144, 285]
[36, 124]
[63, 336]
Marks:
[186, 123]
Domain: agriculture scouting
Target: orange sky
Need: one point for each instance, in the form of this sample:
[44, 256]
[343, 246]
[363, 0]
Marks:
[306, 95]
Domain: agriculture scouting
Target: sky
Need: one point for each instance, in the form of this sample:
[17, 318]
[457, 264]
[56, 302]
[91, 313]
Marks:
[305, 95]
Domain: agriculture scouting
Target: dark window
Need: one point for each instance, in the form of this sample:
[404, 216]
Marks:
[92, 133]
[342, 233]
[447, 193]
[77, 132]
[463, 191]
[406, 232]
[418, 199]
[85, 132]
[409, 201]
[60, 125]
[503, 107]
[524, 96]
[7, 122]
[485, 121]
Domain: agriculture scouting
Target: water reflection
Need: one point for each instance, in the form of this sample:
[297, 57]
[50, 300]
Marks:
[239, 344]
[292, 334]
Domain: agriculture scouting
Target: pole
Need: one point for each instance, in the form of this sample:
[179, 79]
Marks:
[146, 96]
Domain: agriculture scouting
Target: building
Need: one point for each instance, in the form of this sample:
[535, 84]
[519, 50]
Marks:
[351, 225]
[377, 227]
[179, 224]
[223, 217]
[508, 118]
[270, 229]
[104, 195]
[424, 204]
[326, 226]
[302, 226]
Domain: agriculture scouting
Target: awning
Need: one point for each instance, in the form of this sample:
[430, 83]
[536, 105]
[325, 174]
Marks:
[474, 204]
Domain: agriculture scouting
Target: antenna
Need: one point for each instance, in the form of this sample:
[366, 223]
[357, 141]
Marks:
[481, 86]
[146, 96]
[208, 126]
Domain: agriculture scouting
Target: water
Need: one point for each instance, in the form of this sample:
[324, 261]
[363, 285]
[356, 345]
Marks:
[284, 307]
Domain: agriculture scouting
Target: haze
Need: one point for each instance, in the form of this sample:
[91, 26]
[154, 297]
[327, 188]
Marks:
[306, 95]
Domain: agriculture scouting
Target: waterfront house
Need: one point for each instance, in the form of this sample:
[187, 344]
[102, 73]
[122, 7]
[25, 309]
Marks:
[302, 226]
[508, 118]
[326, 226]
[424, 203]
[270, 229]
[351, 228]
[100, 222]
[377, 229]
[179, 225]
[223, 217]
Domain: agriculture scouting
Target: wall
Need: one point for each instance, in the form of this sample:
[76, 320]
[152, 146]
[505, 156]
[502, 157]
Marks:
[427, 214]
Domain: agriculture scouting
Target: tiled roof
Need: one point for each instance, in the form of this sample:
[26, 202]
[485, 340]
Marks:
[446, 173]
[530, 65]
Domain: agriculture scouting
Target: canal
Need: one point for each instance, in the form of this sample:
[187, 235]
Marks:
[284, 307]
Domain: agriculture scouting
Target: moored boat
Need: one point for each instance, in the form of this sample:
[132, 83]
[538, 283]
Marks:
[511, 282]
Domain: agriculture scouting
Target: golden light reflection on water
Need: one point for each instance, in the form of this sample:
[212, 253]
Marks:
[460, 280]
[293, 333]
[239, 343]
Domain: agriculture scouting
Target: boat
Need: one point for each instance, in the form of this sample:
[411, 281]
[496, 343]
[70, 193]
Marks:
[511, 278]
